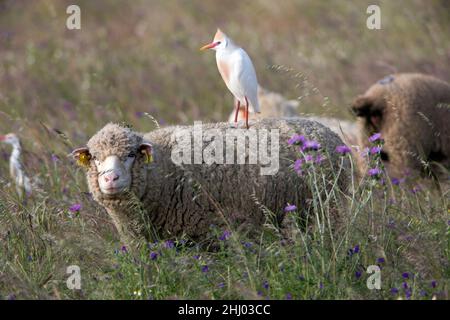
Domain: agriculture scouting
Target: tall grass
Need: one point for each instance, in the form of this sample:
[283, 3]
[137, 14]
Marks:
[58, 87]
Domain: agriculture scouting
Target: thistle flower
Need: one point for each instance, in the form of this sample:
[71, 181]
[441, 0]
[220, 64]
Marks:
[375, 137]
[310, 145]
[153, 256]
[225, 235]
[170, 244]
[343, 149]
[290, 207]
[380, 260]
[75, 207]
[374, 172]
[298, 165]
[296, 139]
[375, 150]
[319, 159]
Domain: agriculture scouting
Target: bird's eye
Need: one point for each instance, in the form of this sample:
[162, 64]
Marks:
[218, 42]
[132, 155]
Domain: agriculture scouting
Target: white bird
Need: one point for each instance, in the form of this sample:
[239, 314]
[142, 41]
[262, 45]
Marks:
[237, 71]
[15, 165]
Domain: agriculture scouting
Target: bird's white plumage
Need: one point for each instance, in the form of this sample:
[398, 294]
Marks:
[237, 70]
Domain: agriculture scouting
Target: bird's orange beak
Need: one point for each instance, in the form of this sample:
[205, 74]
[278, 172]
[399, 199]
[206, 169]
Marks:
[209, 46]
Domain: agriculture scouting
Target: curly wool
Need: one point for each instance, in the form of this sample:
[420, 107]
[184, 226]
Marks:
[188, 199]
[411, 111]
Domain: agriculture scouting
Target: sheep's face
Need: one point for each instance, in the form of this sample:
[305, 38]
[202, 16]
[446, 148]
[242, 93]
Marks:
[114, 174]
[116, 159]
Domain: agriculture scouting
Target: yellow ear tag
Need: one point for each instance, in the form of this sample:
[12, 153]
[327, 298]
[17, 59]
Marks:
[148, 156]
[83, 159]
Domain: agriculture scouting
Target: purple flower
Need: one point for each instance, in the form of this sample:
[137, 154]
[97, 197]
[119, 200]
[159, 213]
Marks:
[375, 137]
[196, 257]
[405, 285]
[266, 284]
[358, 274]
[375, 150]
[288, 296]
[310, 145]
[225, 235]
[205, 269]
[309, 158]
[298, 165]
[353, 251]
[153, 256]
[259, 293]
[221, 285]
[124, 249]
[374, 172]
[380, 260]
[55, 158]
[75, 207]
[434, 284]
[408, 293]
[405, 275]
[395, 181]
[290, 207]
[319, 159]
[321, 285]
[343, 149]
[296, 139]
[394, 290]
[423, 293]
[247, 244]
[170, 244]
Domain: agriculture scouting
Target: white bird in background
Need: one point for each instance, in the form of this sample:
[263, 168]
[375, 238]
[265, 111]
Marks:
[15, 165]
[236, 69]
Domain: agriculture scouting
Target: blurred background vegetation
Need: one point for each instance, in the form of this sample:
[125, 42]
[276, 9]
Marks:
[141, 56]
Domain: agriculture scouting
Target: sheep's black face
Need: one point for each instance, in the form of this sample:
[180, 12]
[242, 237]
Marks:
[116, 159]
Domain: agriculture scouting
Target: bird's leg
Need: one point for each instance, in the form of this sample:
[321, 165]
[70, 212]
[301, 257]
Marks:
[238, 106]
[246, 112]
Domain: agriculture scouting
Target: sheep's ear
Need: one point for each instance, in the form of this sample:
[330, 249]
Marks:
[147, 150]
[82, 155]
[362, 106]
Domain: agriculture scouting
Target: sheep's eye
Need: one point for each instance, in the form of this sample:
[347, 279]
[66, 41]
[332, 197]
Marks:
[132, 155]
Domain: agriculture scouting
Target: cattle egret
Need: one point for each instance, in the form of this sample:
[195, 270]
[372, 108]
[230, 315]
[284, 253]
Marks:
[237, 72]
[15, 164]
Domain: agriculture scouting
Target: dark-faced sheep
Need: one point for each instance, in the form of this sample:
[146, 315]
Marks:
[175, 197]
[411, 111]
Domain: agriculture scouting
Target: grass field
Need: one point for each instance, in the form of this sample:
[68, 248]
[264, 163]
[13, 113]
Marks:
[59, 86]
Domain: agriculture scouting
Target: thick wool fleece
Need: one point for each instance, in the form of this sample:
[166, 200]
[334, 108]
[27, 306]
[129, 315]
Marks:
[188, 199]
[412, 113]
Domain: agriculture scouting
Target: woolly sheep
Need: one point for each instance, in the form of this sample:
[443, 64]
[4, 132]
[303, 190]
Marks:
[185, 199]
[411, 111]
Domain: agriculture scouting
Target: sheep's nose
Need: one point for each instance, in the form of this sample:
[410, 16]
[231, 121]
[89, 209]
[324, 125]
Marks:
[111, 177]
